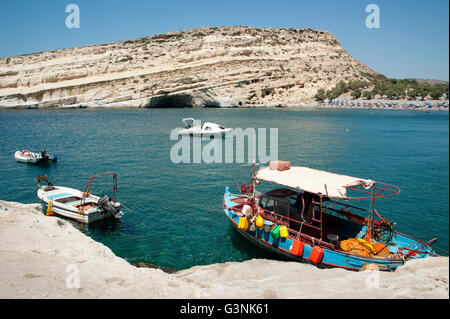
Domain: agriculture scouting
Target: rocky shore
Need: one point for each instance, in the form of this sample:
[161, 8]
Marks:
[46, 257]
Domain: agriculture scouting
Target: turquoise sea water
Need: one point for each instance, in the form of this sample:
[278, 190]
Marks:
[175, 217]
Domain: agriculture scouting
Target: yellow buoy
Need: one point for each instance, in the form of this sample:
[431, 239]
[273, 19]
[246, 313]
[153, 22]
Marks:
[49, 211]
[284, 232]
[243, 223]
[259, 222]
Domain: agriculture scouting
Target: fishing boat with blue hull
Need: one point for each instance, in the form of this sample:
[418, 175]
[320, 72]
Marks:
[310, 219]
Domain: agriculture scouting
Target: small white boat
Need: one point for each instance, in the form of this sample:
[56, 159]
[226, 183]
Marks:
[196, 127]
[81, 206]
[34, 158]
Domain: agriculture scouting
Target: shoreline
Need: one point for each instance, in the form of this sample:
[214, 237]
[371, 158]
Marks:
[299, 106]
[42, 257]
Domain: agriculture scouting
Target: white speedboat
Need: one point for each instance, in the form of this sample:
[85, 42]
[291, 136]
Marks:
[196, 127]
[81, 206]
[34, 158]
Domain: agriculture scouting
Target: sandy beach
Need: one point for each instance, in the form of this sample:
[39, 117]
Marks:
[47, 257]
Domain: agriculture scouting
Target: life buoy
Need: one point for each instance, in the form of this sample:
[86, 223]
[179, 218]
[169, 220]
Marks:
[25, 153]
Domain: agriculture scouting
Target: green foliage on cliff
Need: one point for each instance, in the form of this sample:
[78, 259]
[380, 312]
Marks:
[382, 87]
[356, 93]
[320, 95]
[368, 95]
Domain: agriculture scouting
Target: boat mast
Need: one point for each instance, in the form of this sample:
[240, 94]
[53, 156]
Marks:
[321, 218]
[373, 212]
[254, 183]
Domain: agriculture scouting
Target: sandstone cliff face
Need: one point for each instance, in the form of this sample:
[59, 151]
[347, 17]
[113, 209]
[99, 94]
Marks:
[216, 67]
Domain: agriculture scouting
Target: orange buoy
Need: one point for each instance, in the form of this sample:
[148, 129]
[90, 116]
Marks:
[316, 255]
[297, 248]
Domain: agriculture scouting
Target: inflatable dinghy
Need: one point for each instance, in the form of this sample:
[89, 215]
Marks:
[34, 158]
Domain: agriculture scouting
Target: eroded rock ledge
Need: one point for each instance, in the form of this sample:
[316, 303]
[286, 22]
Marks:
[234, 66]
[38, 255]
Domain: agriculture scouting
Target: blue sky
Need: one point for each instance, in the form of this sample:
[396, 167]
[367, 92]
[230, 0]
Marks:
[412, 41]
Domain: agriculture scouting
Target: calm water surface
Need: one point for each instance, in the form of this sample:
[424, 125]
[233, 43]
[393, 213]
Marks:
[175, 216]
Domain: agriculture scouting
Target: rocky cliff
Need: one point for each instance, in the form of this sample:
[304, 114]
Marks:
[210, 67]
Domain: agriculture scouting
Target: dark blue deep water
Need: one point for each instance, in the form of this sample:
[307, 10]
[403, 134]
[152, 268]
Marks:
[175, 210]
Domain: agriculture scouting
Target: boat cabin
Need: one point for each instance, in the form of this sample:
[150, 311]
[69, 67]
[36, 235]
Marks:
[302, 211]
[314, 204]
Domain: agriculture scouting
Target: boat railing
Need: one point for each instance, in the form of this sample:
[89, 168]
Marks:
[387, 190]
[346, 205]
[303, 225]
[88, 185]
[280, 218]
[298, 234]
[344, 211]
[414, 251]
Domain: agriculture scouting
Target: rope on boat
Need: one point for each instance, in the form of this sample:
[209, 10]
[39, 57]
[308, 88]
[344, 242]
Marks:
[299, 231]
[128, 208]
[441, 250]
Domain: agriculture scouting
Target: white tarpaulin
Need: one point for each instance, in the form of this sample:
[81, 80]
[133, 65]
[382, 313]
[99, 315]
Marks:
[312, 180]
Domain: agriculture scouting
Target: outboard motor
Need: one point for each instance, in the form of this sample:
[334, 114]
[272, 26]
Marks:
[105, 202]
[46, 157]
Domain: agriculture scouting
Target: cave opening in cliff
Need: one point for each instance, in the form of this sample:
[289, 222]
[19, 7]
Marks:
[173, 101]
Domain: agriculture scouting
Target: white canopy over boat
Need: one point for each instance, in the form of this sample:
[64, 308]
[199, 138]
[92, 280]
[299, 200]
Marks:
[313, 181]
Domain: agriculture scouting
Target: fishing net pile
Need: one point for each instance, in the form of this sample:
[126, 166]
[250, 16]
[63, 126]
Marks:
[364, 247]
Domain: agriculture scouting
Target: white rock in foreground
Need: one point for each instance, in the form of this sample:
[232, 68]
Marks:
[40, 255]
